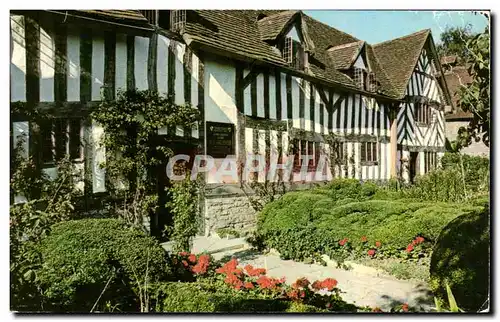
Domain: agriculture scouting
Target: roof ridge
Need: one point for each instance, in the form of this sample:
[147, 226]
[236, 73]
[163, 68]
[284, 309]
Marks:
[292, 12]
[330, 27]
[349, 44]
[406, 36]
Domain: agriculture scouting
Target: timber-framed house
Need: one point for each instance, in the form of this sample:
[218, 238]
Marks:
[271, 78]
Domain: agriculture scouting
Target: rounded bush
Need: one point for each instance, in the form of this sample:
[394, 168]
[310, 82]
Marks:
[461, 258]
[82, 258]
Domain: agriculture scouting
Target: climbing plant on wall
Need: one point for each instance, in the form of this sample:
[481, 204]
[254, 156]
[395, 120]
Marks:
[133, 150]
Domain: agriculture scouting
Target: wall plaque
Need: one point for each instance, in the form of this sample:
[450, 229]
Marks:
[220, 139]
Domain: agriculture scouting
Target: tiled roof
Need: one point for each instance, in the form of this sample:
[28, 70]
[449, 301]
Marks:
[455, 79]
[271, 26]
[398, 58]
[343, 56]
[252, 34]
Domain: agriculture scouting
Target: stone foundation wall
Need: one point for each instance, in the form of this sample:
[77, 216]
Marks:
[229, 212]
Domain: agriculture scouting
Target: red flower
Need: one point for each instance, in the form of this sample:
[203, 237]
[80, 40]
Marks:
[238, 285]
[409, 248]
[378, 244]
[202, 265]
[254, 271]
[228, 268]
[302, 294]
[265, 282]
[183, 253]
[364, 239]
[419, 240]
[192, 258]
[249, 285]
[317, 285]
[185, 263]
[404, 307]
[329, 284]
[293, 294]
[371, 252]
[328, 305]
[301, 282]
[343, 241]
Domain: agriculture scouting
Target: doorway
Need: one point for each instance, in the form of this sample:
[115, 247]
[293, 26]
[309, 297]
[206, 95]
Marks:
[413, 166]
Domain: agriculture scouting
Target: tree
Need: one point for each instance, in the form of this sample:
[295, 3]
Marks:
[454, 40]
[475, 97]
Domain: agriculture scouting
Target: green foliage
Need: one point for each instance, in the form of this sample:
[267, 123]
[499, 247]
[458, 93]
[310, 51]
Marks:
[133, 151]
[303, 225]
[82, 258]
[227, 232]
[184, 207]
[47, 202]
[475, 97]
[460, 259]
[454, 41]
[199, 297]
[460, 178]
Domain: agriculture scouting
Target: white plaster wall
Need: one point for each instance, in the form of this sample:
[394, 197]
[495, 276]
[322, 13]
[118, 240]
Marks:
[17, 59]
[476, 148]
[73, 76]
[121, 63]
[219, 83]
[141, 48]
[162, 65]
[47, 64]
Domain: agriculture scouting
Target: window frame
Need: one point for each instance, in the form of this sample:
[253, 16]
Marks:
[423, 114]
[178, 19]
[369, 153]
[430, 161]
[50, 133]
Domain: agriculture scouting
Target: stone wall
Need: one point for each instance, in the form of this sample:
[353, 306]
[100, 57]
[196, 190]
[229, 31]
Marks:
[229, 212]
[476, 148]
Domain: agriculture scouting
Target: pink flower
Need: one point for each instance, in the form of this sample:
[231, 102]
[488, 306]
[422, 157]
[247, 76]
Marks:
[371, 252]
[409, 248]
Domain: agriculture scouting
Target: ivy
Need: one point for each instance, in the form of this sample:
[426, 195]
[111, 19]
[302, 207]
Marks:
[133, 149]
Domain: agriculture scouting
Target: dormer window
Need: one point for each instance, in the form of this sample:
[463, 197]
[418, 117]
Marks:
[293, 53]
[178, 20]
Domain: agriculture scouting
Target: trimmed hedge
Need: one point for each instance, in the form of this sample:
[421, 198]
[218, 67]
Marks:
[461, 259]
[197, 298]
[308, 223]
[79, 257]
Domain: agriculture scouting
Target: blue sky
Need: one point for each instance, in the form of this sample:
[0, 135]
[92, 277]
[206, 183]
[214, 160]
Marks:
[378, 26]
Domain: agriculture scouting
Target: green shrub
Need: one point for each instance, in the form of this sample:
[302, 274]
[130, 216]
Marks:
[199, 297]
[461, 259]
[302, 225]
[81, 257]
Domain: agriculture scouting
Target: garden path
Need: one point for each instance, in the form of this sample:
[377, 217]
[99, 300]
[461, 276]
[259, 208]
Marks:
[362, 287]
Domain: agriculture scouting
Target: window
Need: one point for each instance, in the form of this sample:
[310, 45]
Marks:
[178, 20]
[302, 148]
[423, 113]
[369, 153]
[61, 137]
[371, 83]
[430, 159]
[359, 77]
[293, 53]
[339, 151]
[151, 15]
